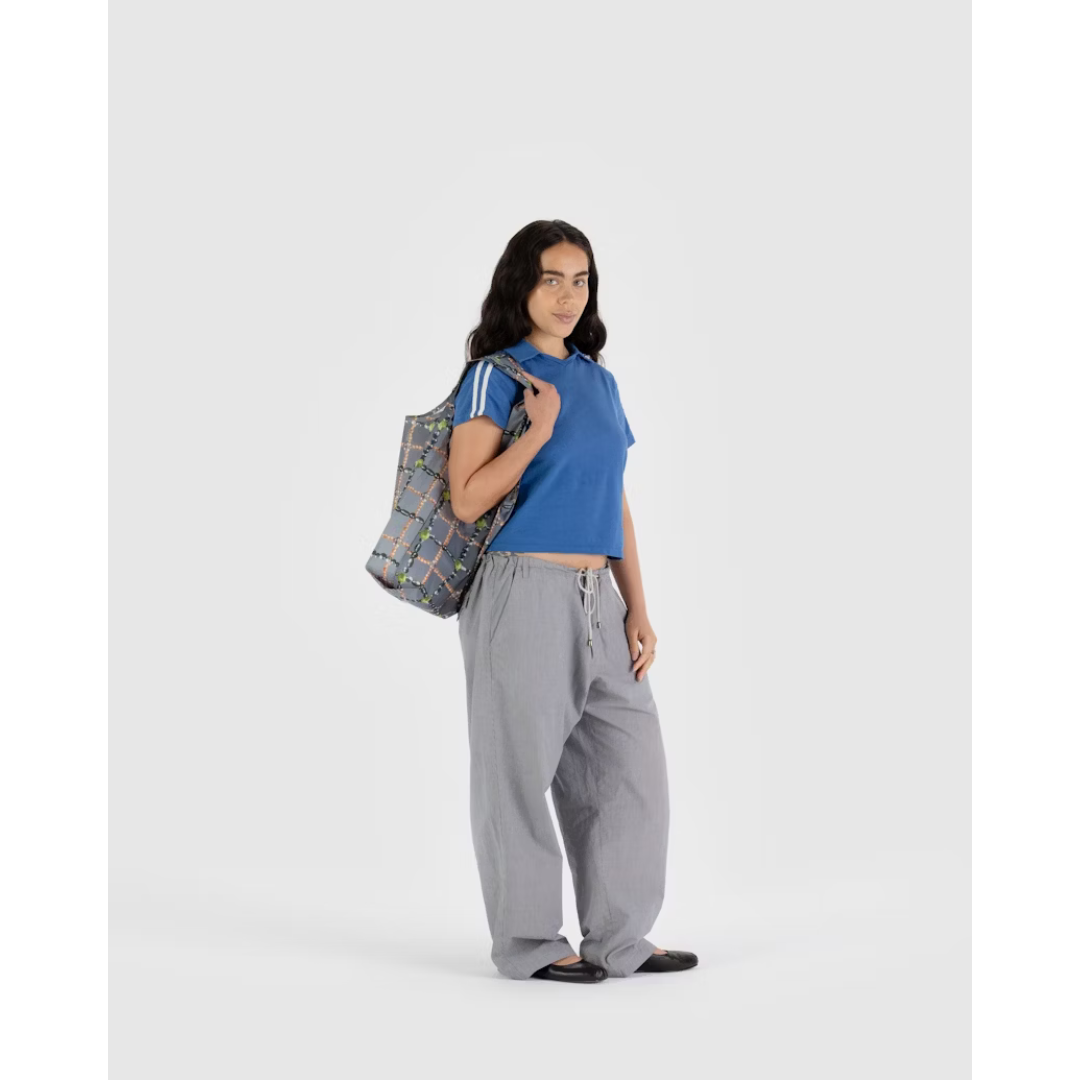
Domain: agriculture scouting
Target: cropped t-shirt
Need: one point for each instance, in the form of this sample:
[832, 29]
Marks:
[570, 496]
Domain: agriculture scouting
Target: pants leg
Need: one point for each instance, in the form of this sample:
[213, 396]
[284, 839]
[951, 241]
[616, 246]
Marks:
[520, 694]
[611, 797]
[546, 709]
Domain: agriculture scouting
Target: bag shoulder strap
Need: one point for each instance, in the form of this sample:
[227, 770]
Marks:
[504, 362]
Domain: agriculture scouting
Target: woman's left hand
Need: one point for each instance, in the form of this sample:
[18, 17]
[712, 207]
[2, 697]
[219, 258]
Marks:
[639, 630]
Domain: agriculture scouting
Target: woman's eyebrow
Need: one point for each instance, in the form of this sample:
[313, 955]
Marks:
[559, 273]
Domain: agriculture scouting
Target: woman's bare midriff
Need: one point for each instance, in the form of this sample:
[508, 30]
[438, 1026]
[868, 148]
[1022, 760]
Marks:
[592, 561]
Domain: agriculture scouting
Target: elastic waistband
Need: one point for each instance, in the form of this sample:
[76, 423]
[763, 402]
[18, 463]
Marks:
[547, 564]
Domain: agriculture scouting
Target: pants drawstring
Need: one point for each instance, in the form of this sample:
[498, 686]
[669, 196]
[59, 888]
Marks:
[589, 582]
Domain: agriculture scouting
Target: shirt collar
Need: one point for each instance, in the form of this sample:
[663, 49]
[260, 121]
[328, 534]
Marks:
[526, 350]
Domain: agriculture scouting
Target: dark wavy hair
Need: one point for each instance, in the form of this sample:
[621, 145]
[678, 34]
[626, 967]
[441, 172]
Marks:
[504, 319]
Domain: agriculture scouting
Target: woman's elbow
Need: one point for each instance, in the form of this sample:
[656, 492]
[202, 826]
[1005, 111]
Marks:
[461, 509]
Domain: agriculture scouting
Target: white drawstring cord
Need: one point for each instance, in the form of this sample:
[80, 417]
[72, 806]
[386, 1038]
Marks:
[589, 582]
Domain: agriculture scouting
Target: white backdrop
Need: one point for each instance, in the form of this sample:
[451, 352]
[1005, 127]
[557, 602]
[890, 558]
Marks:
[307, 205]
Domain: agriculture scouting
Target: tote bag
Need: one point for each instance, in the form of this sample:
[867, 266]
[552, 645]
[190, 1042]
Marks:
[426, 556]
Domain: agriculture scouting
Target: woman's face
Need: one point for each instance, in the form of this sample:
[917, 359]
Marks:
[563, 288]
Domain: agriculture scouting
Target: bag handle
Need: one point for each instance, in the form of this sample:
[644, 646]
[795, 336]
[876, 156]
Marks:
[505, 362]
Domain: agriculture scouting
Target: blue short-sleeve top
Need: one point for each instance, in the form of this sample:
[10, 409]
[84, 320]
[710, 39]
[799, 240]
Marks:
[570, 497]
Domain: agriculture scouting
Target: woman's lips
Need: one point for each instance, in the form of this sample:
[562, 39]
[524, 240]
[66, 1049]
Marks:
[565, 318]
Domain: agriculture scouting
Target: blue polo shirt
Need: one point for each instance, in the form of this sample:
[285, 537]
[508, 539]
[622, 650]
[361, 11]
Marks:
[570, 498]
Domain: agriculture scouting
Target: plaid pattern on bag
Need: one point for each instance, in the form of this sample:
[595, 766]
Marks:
[426, 556]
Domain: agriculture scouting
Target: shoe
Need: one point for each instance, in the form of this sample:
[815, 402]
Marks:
[579, 971]
[672, 960]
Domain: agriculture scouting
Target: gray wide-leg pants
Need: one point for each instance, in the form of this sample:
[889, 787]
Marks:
[553, 702]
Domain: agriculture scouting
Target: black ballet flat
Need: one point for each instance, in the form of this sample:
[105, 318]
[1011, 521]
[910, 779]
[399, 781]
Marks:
[580, 971]
[672, 960]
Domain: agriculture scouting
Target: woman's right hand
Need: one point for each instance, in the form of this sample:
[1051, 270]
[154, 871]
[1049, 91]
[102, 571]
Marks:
[543, 405]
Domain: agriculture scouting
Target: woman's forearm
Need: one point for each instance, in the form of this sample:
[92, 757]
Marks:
[488, 486]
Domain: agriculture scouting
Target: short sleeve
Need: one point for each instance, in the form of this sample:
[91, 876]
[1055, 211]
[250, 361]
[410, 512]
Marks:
[485, 391]
[630, 440]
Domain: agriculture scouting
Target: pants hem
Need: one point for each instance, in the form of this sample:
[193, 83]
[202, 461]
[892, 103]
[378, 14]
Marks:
[620, 971]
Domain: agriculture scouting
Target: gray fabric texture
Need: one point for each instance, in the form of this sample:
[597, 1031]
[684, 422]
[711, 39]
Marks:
[547, 708]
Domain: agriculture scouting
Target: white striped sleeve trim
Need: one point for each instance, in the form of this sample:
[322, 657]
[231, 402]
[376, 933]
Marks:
[478, 391]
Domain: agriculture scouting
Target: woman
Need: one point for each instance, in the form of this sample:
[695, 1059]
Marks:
[554, 698]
